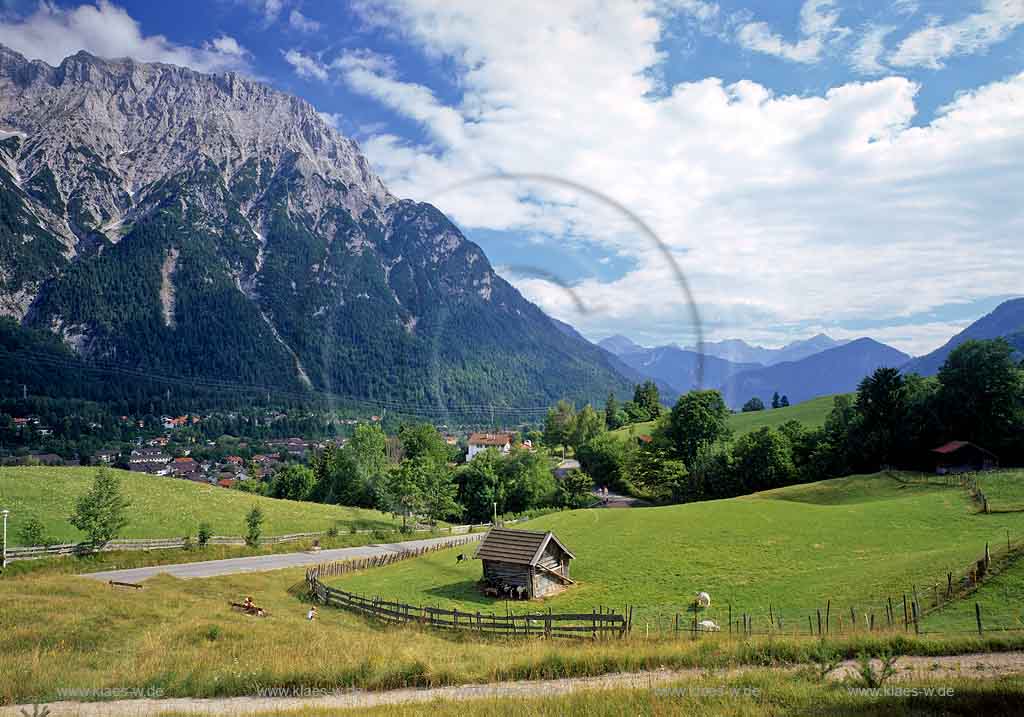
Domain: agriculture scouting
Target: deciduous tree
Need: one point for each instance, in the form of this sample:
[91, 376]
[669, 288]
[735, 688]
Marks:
[699, 419]
[103, 511]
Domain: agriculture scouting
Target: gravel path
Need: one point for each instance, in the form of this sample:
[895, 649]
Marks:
[978, 666]
[262, 563]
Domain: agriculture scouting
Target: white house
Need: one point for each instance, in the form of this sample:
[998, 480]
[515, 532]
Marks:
[482, 441]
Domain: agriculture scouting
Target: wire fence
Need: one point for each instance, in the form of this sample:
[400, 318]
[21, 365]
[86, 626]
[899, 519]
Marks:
[942, 607]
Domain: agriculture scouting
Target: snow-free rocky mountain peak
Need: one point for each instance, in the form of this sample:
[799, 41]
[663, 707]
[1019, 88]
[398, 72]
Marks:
[209, 225]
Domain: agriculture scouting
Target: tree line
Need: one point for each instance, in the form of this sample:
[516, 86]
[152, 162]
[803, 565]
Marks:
[424, 480]
[893, 420]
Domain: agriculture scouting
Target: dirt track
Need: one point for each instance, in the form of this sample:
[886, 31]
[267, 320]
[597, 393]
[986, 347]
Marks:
[978, 666]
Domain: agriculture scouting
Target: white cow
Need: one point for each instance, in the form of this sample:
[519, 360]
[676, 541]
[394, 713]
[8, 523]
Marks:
[703, 599]
[708, 626]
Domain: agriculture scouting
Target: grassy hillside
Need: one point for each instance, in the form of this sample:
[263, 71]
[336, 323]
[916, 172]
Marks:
[853, 540]
[811, 413]
[1002, 605]
[1003, 489]
[164, 507]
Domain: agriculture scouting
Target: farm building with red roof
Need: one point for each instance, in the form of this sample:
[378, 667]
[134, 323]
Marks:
[963, 457]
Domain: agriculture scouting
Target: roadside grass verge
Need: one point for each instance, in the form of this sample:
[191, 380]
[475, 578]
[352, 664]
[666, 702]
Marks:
[124, 559]
[181, 637]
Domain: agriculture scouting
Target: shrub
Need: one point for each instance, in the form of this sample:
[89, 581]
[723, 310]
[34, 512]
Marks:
[872, 677]
[204, 534]
[33, 533]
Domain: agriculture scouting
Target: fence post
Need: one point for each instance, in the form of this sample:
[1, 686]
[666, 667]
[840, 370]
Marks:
[828, 613]
[730, 618]
[977, 615]
[906, 617]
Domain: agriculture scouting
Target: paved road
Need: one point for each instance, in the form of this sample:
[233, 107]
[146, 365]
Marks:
[263, 563]
[617, 500]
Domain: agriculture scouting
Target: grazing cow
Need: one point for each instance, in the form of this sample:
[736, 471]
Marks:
[460, 557]
[703, 599]
[521, 592]
[708, 626]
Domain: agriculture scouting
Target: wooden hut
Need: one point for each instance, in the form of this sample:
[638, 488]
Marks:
[961, 457]
[525, 558]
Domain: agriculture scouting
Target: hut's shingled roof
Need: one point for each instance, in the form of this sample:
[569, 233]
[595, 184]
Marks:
[954, 446]
[521, 547]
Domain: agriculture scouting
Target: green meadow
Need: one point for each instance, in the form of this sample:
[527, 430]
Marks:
[853, 541]
[1003, 489]
[164, 507]
[810, 413]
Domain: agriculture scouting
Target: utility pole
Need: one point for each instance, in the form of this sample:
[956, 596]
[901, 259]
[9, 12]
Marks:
[495, 523]
[3, 562]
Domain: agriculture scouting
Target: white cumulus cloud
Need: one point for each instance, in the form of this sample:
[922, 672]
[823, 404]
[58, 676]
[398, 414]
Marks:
[819, 26]
[866, 57]
[931, 45]
[302, 23]
[305, 65]
[783, 210]
[52, 33]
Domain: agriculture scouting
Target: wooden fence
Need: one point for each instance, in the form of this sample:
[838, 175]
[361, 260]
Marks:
[48, 551]
[341, 567]
[597, 624]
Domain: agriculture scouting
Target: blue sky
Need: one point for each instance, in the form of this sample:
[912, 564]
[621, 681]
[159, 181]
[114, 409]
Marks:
[831, 165]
